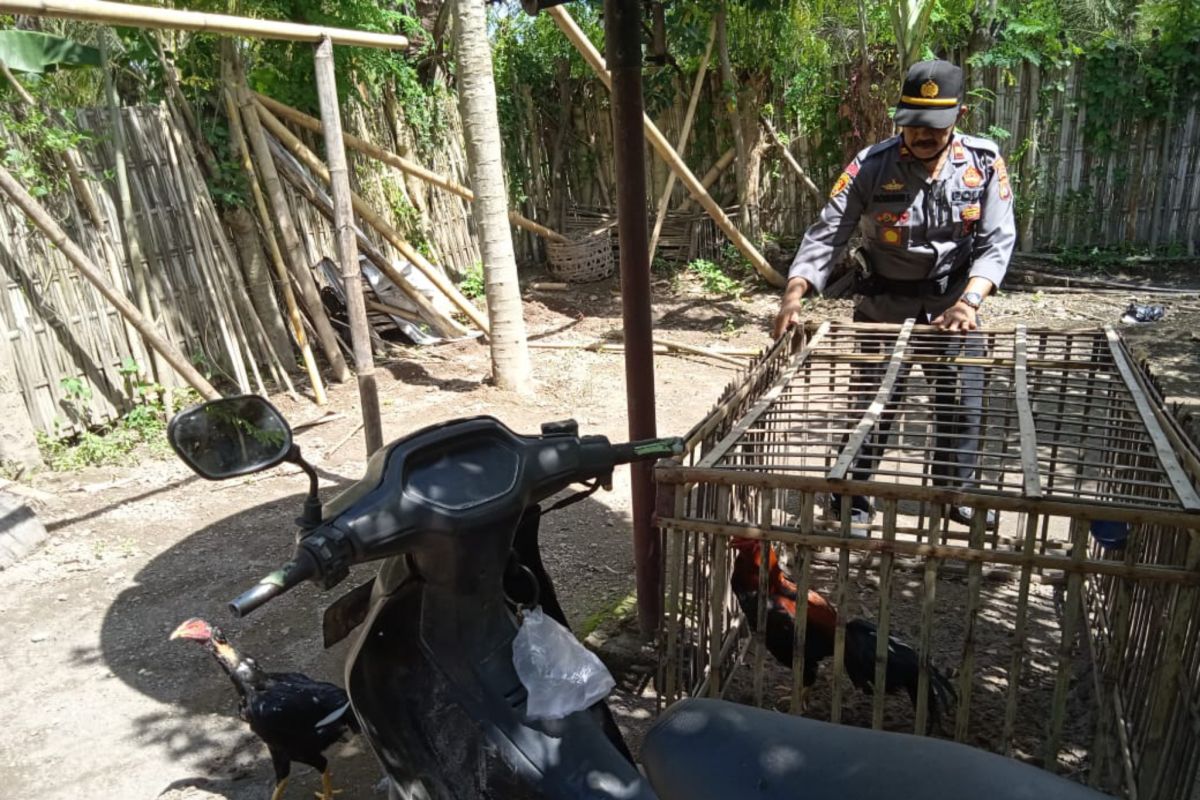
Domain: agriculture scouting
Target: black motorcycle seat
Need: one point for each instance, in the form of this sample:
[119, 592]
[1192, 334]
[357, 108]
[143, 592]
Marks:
[703, 749]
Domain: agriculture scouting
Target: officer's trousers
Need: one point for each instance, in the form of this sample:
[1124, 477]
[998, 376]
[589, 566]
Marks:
[957, 410]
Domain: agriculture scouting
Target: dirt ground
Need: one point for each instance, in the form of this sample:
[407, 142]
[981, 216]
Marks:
[97, 697]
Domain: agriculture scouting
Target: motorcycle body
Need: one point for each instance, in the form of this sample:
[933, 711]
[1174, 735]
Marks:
[451, 512]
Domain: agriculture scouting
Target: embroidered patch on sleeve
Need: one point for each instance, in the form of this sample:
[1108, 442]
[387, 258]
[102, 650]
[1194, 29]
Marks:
[852, 169]
[972, 178]
[840, 184]
[1002, 177]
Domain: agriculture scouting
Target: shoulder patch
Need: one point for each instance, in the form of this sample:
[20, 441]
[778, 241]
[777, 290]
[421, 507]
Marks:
[979, 143]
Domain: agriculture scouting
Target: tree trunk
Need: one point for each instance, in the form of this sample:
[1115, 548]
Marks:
[258, 281]
[730, 99]
[481, 129]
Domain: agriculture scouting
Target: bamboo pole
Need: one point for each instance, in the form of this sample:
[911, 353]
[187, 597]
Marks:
[58, 237]
[790, 159]
[401, 163]
[710, 177]
[343, 223]
[304, 184]
[578, 38]
[883, 628]
[129, 231]
[665, 200]
[241, 151]
[291, 240]
[135, 16]
[298, 149]
[800, 628]
[717, 593]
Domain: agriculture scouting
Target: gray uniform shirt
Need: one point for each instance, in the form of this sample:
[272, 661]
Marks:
[915, 226]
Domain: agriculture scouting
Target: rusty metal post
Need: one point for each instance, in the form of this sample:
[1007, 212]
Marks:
[623, 43]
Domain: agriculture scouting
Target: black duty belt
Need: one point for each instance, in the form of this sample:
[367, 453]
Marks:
[873, 284]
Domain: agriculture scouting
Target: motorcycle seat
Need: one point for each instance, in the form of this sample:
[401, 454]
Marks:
[702, 749]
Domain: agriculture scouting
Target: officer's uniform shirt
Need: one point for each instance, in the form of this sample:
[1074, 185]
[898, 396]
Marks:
[916, 227]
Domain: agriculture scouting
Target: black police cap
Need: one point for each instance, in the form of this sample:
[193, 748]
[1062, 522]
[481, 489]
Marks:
[932, 95]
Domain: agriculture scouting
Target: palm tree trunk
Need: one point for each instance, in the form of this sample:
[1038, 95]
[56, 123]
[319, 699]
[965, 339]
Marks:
[481, 127]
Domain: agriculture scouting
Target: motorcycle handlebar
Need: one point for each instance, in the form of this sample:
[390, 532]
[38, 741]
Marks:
[647, 450]
[291, 574]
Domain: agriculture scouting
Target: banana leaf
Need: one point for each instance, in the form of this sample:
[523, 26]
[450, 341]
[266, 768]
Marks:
[36, 53]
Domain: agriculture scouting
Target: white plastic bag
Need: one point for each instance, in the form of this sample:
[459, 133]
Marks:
[560, 674]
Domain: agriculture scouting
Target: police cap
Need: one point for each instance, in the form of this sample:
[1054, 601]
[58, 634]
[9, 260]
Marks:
[932, 95]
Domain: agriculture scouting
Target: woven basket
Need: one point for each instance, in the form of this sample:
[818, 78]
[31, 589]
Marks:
[582, 260]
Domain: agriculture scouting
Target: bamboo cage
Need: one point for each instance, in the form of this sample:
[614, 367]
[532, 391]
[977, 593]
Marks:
[1068, 645]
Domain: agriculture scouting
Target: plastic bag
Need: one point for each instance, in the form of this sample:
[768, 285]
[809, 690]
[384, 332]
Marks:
[560, 674]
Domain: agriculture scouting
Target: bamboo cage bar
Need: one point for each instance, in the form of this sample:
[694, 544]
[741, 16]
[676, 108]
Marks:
[1066, 630]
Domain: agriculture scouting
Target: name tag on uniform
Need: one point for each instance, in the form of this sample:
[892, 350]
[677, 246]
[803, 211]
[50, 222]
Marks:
[966, 195]
[892, 197]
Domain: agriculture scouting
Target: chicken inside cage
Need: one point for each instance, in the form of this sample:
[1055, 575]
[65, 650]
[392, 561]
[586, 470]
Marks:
[988, 537]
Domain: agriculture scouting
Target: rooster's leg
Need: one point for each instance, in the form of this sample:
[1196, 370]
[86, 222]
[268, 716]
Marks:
[327, 791]
[279, 787]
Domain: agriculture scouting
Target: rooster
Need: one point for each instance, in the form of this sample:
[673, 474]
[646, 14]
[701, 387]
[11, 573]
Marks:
[296, 717]
[903, 663]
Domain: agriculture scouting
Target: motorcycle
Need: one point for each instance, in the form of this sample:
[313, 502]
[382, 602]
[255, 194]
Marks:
[452, 511]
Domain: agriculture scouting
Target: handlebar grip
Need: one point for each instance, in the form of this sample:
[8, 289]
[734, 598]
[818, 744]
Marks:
[275, 584]
[647, 450]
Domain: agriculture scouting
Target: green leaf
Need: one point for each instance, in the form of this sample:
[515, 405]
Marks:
[34, 52]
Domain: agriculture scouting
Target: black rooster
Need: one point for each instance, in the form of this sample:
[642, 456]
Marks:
[295, 716]
[903, 663]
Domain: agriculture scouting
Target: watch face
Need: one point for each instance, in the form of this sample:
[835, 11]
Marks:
[973, 299]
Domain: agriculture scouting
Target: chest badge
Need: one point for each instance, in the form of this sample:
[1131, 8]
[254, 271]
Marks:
[971, 212]
[891, 236]
[894, 185]
[886, 218]
[972, 178]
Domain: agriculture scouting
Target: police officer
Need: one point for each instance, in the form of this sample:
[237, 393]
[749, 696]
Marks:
[936, 211]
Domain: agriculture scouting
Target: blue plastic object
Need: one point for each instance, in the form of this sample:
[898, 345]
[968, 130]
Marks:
[1111, 535]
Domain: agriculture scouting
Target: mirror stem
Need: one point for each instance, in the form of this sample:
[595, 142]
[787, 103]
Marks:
[311, 516]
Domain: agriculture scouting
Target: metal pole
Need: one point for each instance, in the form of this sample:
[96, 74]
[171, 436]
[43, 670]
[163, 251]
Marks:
[623, 38]
[347, 245]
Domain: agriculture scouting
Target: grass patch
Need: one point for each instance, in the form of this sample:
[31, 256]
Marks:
[622, 608]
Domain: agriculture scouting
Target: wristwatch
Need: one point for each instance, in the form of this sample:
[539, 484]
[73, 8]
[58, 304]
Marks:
[972, 299]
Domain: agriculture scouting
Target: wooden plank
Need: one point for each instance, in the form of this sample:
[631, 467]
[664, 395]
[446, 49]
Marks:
[769, 397]
[1028, 431]
[871, 415]
[1180, 480]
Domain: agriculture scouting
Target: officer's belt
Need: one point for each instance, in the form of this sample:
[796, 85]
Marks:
[872, 284]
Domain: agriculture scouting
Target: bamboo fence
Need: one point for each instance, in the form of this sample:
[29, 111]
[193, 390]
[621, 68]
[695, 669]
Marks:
[62, 330]
[1073, 652]
[1146, 192]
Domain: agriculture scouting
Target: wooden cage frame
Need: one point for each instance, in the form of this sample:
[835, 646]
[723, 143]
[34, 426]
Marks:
[1073, 435]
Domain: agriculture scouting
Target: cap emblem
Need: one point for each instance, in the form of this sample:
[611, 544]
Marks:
[929, 89]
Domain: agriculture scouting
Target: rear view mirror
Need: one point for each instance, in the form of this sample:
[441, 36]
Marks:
[230, 437]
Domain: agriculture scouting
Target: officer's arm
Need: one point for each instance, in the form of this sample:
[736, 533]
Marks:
[996, 232]
[826, 239]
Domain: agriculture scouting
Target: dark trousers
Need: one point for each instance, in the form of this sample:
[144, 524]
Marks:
[958, 409]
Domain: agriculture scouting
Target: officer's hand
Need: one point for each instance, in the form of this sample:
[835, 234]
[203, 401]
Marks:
[789, 307]
[958, 317]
